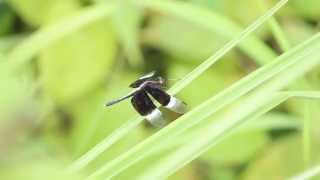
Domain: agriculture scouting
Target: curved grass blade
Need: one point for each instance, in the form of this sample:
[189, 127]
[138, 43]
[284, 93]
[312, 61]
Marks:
[106, 143]
[231, 119]
[126, 20]
[211, 106]
[277, 99]
[226, 48]
[308, 174]
[276, 30]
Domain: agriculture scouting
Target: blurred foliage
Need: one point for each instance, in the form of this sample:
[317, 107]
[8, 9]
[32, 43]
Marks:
[51, 108]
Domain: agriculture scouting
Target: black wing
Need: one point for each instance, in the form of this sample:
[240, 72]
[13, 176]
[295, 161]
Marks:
[142, 103]
[166, 100]
[146, 108]
[158, 94]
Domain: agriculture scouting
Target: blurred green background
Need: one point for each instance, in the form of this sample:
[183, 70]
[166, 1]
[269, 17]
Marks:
[52, 103]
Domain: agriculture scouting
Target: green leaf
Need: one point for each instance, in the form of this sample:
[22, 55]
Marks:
[192, 42]
[7, 43]
[307, 8]
[36, 169]
[81, 59]
[214, 22]
[127, 20]
[44, 9]
[13, 92]
[6, 19]
[48, 35]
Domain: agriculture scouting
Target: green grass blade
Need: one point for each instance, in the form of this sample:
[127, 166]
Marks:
[308, 174]
[126, 20]
[276, 30]
[279, 35]
[250, 124]
[1, 57]
[284, 45]
[101, 147]
[8, 42]
[215, 103]
[231, 119]
[304, 94]
[27, 49]
[306, 139]
[252, 46]
[106, 143]
[226, 48]
[272, 122]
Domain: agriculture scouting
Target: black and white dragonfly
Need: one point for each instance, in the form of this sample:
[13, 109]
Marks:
[152, 85]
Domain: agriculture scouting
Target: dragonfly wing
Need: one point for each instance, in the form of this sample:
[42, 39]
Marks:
[146, 108]
[166, 100]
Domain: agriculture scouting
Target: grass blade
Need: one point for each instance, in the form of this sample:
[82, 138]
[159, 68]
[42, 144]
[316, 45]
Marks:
[276, 30]
[215, 103]
[232, 119]
[277, 99]
[226, 48]
[105, 144]
[308, 174]
[101, 147]
[127, 19]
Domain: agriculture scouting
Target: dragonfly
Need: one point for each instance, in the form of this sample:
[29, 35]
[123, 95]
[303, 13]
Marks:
[147, 86]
